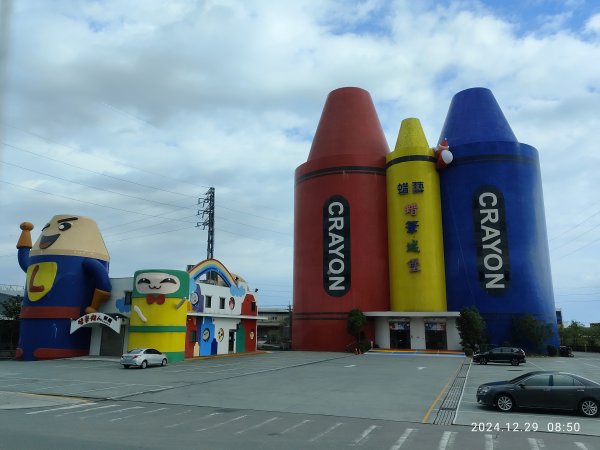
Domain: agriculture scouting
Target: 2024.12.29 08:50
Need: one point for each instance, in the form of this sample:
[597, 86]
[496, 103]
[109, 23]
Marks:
[557, 427]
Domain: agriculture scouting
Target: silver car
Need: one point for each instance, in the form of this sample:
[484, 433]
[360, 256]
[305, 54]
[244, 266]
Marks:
[143, 357]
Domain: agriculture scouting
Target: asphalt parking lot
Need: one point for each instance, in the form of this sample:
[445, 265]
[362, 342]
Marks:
[469, 412]
[294, 399]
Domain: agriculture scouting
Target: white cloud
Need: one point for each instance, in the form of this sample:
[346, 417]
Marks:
[229, 93]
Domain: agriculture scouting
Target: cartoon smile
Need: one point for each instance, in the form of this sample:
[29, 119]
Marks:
[47, 241]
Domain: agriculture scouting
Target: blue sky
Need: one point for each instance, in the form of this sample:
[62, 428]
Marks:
[127, 111]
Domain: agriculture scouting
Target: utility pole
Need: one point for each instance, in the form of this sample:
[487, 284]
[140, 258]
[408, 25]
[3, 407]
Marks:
[207, 217]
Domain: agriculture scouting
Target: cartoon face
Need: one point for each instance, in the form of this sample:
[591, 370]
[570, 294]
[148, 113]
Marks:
[206, 335]
[172, 283]
[71, 235]
[156, 283]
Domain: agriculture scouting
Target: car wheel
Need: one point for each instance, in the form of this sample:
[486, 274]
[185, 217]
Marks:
[164, 362]
[589, 407]
[484, 360]
[505, 403]
[144, 364]
[126, 366]
[514, 362]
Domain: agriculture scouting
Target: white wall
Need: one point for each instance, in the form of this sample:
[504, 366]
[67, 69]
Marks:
[417, 333]
[452, 334]
[382, 332]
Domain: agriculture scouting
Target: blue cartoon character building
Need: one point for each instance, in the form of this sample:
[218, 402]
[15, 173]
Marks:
[67, 276]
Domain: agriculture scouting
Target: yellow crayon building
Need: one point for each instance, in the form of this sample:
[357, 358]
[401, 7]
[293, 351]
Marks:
[416, 249]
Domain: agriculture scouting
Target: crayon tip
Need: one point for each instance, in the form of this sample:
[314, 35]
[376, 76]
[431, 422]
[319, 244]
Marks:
[411, 139]
[349, 126]
[475, 116]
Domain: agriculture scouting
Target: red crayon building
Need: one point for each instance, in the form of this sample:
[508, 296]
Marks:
[340, 234]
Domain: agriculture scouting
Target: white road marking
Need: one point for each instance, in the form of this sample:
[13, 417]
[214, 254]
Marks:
[592, 365]
[327, 431]
[195, 419]
[581, 445]
[253, 427]
[489, 442]
[400, 442]
[364, 436]
[536, 444]
[447, 440]
[351, 365]
[136, 415]
[89, 409]
[223, 423]
[461, 394]
[293, 427]
[422, 367]
[112, 412]
[62, 407]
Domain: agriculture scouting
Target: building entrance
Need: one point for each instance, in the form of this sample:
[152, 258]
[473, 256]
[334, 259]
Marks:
[435, 336]
[400, 334]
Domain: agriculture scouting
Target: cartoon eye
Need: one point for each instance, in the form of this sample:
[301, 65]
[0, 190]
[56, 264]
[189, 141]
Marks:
[64, 226]
[169, 280]
[194, 298]
[143, 281]
[47, 225]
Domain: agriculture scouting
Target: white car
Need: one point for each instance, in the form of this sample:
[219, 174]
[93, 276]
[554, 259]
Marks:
[143, 357]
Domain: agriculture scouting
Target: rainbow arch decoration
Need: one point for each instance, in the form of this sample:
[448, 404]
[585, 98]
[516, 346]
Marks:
[212, 265]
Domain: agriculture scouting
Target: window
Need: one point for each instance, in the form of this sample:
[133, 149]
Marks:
[253, 306]
[221, 302]
[537, 380]
[193, 336]
[128, 297]
[208, 303]
[565, 380]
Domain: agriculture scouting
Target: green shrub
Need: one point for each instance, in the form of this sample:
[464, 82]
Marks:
[468, 351]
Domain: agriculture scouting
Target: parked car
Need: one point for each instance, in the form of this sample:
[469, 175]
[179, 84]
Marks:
[143, 357]
[543, 389]
[513, 355]
[565, 351]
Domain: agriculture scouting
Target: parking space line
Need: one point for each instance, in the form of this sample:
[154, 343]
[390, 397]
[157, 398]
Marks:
[86, 410]
[402, 439]
[327, 431]
[135, 415]
[364, 436]
[489, 442]
[253, 427]
[112, 412]
[293, 427]
[447, 440]
[462, 393]
[223, 423]
[536, 444]
[194, 419]
[592, 365]
[581, 445]
[62, 407]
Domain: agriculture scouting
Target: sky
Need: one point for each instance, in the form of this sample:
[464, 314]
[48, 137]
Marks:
[127, 112]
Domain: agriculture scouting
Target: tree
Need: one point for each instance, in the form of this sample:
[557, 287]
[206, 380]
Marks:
[471, 328]
[356, 323]
[11, 308]
[530, 333]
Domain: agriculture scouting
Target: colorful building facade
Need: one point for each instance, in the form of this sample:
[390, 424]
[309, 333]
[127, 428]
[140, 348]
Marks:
[461, 224]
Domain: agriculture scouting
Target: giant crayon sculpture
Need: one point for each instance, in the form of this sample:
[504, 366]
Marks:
[416, 250]
[340, 248]
[495, 241]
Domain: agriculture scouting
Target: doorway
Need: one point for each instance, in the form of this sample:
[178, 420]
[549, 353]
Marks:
[435, 336]
[231, 341]
[400, 334]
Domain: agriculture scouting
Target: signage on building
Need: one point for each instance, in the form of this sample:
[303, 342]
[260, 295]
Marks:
[96, 318]
[489, 215]
[336, 246]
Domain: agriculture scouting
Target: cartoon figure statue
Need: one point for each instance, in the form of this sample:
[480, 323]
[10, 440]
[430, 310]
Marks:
[67, 276]
[159, 311]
